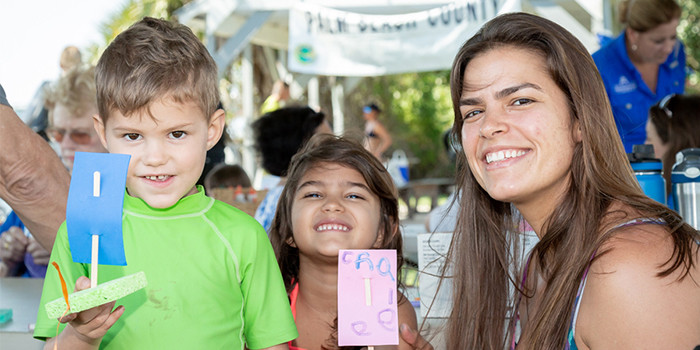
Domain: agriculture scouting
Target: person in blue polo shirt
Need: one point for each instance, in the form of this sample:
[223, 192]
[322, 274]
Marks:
[642, 65]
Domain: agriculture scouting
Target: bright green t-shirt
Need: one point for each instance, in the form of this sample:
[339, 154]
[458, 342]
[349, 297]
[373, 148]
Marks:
[213, 281]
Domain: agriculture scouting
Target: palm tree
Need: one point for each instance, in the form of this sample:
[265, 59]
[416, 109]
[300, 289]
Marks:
[130, 12]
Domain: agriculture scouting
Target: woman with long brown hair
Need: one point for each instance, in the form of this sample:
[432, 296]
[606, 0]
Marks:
[613, 268]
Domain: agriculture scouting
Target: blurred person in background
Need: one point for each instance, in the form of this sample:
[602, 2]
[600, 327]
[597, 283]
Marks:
[36, 115]
[278, 136]
[642, 65]
[226, 176]
[32, 180]
[674, 125]
[377, 138]
[71, 103]
[215, 155]
[70, 58]
[443, 218]
[278, 98]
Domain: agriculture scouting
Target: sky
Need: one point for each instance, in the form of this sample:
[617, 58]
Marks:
[33, 34]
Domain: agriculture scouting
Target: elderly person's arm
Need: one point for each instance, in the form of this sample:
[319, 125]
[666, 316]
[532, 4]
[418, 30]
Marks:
[33, 181]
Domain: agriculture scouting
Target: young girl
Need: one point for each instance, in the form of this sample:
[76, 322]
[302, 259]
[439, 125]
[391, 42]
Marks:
[337, 196]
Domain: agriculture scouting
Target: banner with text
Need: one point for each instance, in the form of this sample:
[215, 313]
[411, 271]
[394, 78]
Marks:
[326, 41]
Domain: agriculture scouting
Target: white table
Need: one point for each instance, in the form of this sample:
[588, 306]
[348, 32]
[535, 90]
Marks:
[22, 296]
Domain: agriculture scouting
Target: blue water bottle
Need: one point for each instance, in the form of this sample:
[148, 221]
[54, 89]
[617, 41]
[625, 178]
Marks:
[648, 170]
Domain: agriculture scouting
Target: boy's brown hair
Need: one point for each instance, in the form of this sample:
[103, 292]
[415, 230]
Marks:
[155, 59]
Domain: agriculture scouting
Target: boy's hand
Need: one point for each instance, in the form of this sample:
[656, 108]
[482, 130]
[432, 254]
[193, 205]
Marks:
[92, 324]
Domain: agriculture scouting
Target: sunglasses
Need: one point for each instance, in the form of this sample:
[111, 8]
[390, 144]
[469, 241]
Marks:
[663, 105]
[80, 137]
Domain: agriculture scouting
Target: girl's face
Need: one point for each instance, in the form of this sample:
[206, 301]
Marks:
[654, 46]
[516, 131]
[334, 209]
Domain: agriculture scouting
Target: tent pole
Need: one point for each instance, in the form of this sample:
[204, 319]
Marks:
[313, 95]
[338, 103]
[247, 109]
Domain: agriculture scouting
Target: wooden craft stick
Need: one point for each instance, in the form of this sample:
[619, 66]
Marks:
[368, 293]
[95, 238]
[93, 263]
[96, 184]
[368, 300]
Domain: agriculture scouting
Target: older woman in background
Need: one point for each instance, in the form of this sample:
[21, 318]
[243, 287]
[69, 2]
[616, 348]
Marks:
[642, 65]
[71, 103]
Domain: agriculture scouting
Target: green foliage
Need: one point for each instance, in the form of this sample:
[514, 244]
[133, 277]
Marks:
[131, 12]
[417, 110]
[689, 32]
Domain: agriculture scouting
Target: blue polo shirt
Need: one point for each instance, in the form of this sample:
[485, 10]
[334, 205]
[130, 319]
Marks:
[629, 95]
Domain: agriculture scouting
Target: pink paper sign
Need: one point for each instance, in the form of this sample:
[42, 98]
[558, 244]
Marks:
[367, 312]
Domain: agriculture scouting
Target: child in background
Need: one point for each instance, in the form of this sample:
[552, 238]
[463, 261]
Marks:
[337, 196]
[226, 176]
[278, 136]
[213, 282]
[672, 127]
[230, 184]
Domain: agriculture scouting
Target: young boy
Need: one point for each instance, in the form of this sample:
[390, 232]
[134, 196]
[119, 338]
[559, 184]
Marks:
[213, 282]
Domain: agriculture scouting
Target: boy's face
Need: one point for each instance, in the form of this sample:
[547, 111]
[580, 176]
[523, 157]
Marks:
[167, 154]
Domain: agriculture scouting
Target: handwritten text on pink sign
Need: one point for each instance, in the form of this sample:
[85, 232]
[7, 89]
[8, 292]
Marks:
[367, 312]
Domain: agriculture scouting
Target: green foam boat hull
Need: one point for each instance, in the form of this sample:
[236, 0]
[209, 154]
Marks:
[101, 294]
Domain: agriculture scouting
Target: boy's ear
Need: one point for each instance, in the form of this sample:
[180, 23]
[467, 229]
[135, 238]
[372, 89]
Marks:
[217, 122]
[100, 128]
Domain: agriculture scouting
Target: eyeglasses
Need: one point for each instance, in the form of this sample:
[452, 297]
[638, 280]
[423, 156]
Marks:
[663, 105]
[80, 137]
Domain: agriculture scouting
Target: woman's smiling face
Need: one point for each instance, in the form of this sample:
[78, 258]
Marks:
[516, 131]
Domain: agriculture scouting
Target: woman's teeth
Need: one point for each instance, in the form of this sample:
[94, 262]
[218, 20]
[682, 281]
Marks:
[502, 155]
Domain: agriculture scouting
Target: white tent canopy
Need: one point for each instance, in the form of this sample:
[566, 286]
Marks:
[231, 25]
[327, 41]
[305, 29]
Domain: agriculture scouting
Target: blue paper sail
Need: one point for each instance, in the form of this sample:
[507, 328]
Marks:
[87, 215]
